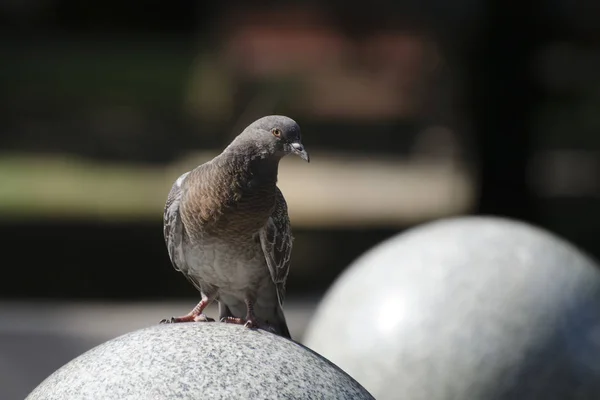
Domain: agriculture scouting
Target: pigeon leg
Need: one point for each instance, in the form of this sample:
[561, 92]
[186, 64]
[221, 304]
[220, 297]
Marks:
[193, 316]
[249, 322]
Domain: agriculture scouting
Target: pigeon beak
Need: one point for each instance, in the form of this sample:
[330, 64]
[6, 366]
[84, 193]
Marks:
[298, 149]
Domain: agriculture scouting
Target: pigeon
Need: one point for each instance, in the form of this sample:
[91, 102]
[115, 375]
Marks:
[227, 229]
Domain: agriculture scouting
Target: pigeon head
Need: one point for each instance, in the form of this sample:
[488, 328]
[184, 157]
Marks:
[274, 135]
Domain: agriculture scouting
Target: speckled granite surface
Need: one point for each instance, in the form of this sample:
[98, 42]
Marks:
[38, 337]
[467, 308]
[199, 361]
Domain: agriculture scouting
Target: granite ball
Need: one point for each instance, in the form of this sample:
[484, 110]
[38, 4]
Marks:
[204, 360]
[466, 308]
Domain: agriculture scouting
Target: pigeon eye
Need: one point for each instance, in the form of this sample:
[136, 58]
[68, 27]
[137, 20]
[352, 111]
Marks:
[276, 132]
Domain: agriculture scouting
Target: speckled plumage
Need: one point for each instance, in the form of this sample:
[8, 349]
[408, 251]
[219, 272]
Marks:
[227, 228]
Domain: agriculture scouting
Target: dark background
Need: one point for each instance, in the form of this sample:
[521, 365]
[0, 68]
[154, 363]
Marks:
[508, 96]
[412, 111]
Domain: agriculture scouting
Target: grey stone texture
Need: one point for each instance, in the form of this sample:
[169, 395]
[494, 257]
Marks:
[466, 308]
[205, 360]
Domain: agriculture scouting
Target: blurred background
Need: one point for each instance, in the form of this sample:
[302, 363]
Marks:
[411, 110]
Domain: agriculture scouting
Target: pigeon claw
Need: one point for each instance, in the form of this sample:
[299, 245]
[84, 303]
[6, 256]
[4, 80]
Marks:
[203, 318]
[251, 324]
[248, 323]
[233, 320]
[187, 318]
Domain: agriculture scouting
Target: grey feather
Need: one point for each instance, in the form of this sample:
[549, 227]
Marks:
[276, 241]
[173, 229]
[215, 213]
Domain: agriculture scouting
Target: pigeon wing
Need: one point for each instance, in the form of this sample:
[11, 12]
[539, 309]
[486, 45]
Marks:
[276, 242]
[173, 229]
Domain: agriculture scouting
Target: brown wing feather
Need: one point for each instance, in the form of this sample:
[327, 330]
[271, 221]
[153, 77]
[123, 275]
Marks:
[276, 241]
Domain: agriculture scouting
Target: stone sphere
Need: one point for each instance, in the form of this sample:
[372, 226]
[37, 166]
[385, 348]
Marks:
[209, 360]
[466, 308]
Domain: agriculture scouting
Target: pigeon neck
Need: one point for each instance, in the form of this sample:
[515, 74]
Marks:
[265, 170]
[251, 153]
[258, 163]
